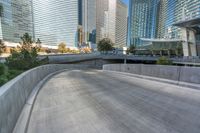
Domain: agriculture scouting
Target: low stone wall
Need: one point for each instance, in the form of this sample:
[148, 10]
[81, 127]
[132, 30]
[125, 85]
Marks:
[189, 75]
[166, 72]
[15, 93]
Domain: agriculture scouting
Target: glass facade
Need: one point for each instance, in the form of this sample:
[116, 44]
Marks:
[89, 21]
[56, 21]
[166, 17]
[173, 11]
[15, 20]
[142, 20]
[121, 24]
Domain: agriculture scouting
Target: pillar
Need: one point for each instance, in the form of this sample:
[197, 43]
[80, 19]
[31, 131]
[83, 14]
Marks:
[185, 42]
[192, 39]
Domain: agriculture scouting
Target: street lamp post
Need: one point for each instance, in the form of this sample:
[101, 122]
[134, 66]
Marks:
[125, 53]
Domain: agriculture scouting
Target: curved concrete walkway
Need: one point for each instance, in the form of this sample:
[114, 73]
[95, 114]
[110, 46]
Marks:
[92, 101]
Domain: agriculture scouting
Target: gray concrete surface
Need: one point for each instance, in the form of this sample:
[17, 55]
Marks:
[181, 75]
[92, 101]
[190, 74]
[166, 72]
[15, 93]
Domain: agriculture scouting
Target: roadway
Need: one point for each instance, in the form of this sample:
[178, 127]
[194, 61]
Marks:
[92, 101]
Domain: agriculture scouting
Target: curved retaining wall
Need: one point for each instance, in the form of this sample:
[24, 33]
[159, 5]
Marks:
[186, 76]
[15, 93]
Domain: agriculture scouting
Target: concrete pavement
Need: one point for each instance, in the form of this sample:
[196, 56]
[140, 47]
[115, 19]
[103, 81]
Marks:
[93, 101]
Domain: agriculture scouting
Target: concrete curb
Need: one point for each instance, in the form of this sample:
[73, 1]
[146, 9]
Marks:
[24, 118]
[178, 83]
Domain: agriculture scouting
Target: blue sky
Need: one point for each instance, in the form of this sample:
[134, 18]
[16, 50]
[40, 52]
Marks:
[126, 1]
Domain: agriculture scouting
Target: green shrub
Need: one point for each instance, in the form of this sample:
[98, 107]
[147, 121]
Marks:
[3, 79]
[164, 61]
[13, 73]
[23, 60]
[10, 74]
[3, 69]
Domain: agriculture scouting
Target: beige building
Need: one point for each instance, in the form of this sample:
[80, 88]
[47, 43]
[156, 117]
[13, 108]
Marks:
[112, 21]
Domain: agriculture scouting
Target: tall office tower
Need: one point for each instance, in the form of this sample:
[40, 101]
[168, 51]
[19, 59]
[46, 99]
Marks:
[57, 21]
[187, 9]
[162, 17]
[121, 24]
[187, 18]
[112, 21]
[89, 22]
[166, 17]
[101, 18]
[173, 11]
[142, 20]
[15, 19]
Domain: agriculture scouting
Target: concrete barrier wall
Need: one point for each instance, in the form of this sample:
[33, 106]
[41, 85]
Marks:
[135, 69]
[15, 93]
[190, 74]
[175, 73]
[166, 72]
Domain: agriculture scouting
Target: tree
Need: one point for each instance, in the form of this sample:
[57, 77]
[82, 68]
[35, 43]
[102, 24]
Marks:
[2, 46]
[62, 47]
[105, 45]
[38, 41]
[27, 42]
[39, 46]
[86, 50]
[131, 49]
[26, 57]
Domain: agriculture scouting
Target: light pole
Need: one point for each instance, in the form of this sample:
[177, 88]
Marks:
[125, 53]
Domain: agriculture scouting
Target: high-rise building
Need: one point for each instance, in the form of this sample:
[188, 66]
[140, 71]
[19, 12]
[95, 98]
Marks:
[89, 22]
[176, 21]
[173, 11]
[112, 21]
[57, 21]
[15, 19]
[121, 24]
[101, 18]
[187, 16]
[142, 20]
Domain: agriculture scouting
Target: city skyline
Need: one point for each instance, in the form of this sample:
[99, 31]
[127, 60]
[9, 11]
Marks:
[84, 22]
[73, 22]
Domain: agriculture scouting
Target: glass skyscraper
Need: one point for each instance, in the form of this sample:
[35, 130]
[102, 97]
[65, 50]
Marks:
[173, 11]
[142, 20]
[155, 18]
[89, 21]
[178, 20]
[15, 20]
[57, 21]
